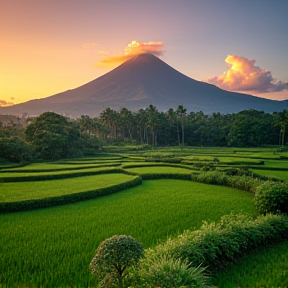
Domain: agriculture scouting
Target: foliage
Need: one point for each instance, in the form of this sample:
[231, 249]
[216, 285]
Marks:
[52, 247]
[164, 271]
[242, 182]
[54, 137]
[14, 149]
[113, 256]
[272, 198]
[217, 244]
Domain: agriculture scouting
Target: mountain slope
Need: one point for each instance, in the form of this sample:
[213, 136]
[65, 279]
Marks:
[139, 82]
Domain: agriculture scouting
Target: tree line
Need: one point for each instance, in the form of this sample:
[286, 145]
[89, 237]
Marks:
[53, 136]
[177, 127]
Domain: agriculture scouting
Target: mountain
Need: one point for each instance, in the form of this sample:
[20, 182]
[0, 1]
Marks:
[139, 82]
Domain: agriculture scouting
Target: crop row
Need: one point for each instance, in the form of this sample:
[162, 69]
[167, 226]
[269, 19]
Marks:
[267, 267]
[24, 177]
[215, 245]
[67, 198]
[53, 247]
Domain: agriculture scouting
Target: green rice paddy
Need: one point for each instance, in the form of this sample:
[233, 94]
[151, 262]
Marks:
[159, 170]
[39, 189]
[53, 247]
[281, 175]
[267, 268]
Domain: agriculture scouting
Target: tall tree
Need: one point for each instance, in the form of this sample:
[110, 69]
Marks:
[51, 135]
[152, 121]
[181, 112]
[283, 122]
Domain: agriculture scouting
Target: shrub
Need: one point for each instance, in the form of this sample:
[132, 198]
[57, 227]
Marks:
[272, 197]
[215, 245]
[113, 256]
[243, 182]
[165, 271]
[15, 150]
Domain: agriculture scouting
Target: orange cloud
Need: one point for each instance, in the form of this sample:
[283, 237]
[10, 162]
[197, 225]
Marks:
[132, 49]
[243, 75]
[4, 103]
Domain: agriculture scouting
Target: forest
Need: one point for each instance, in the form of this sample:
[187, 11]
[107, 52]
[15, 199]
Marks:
[53, 136]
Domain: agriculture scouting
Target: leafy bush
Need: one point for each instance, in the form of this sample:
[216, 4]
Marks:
[216, 245]
[243, 182]
[272, 197]
[165, 271]
[113, 256]
[15, 150]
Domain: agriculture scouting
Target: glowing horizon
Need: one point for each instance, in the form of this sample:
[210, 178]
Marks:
[47, 47]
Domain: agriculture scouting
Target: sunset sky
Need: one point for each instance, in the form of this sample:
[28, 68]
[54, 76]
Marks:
[50, 46]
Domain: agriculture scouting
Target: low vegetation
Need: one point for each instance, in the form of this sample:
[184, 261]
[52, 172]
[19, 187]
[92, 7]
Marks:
[53, 247]
[264, 268]
[63, 239]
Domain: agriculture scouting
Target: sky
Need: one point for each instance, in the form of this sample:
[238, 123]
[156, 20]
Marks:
[50, 46]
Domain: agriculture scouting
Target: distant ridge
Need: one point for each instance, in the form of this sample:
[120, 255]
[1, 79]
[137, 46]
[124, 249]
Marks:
[139, 82]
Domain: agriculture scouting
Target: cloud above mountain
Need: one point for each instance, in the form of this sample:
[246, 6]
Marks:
[132, 49]
[4, 103]
[243, 75]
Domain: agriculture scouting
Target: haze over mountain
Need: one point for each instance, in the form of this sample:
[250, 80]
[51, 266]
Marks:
[139, 82]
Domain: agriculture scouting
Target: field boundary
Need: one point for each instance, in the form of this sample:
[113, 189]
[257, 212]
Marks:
[32, 204]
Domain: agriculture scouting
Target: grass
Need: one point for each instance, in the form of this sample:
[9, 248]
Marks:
[50, 167]
[282, 175]
[69, 173]
[276, 164]
[54, 246]
[159, 170]
[224, 160]
[40, 189]
[267, 268]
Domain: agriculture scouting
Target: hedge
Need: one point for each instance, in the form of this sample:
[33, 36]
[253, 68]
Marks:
[242, 182]
[157, 164]
[153, 176]
[61, 169]
[60, 176]
[66, 199]
[216, 245]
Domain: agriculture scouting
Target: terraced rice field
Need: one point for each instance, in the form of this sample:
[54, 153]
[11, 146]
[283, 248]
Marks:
[63, 239]
[40, 189]
[266, 268]
[53, 247]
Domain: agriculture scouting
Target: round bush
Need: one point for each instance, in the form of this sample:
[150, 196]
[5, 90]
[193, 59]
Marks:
[272, 198]
[113, 256]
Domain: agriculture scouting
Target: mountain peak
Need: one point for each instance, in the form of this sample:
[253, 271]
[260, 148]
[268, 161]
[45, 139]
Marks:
[140, 81]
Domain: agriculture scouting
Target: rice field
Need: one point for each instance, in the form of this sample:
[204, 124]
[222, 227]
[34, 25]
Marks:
[159, 170]
[281, 175]
[54, 246]
[40, 189]
[12, 176]
[267, 268]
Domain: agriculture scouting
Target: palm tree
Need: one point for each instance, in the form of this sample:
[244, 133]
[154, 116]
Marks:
[181, 112]
[141, 121]
[126, 119]
[152, 122]
[283, 122]
[107, 118]
[172, 118]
